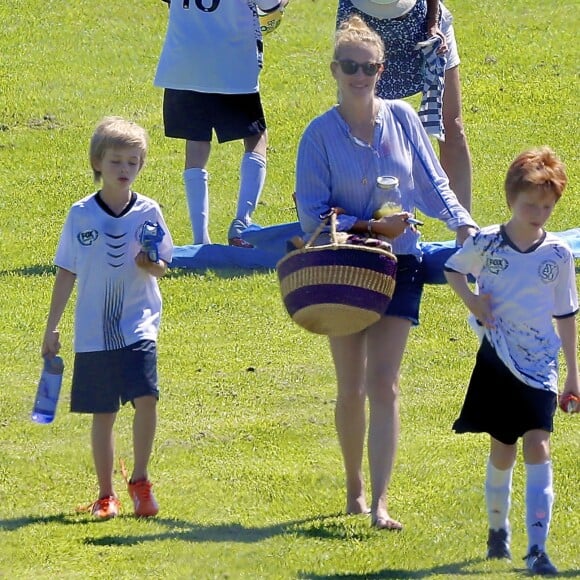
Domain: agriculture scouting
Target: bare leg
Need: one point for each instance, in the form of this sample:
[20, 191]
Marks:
[144, 425]
[348, 353]
[454, 151]
[386, 341]
[197, 154]
[501, 455]
[536, 446]
[257, 144]
[103, 445]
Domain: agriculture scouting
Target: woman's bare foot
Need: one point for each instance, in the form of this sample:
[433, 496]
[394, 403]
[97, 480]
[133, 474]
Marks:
[382, 521]
[356, 505]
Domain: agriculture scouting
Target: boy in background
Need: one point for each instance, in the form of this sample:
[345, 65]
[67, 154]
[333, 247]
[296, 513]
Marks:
[118, 307]
[209, 67]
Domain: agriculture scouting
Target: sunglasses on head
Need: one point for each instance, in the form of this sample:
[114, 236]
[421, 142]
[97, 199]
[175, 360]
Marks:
[350, 67]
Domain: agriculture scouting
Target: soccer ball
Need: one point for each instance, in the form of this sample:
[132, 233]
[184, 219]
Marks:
[569, 403]
[269, 21]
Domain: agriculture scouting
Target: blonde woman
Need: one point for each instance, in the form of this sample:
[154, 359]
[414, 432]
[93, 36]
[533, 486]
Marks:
[340, 156]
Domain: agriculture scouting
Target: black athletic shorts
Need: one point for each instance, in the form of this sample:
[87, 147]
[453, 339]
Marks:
[498, 403]
[193, 116]
[104, 380]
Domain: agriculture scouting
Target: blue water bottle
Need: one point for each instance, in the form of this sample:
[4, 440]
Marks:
[150, 237]
[48, 390]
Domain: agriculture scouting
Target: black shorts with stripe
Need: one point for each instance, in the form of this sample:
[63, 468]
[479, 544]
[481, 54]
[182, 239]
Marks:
[194, 116]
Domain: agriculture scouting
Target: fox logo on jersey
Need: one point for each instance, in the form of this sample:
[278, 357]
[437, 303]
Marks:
[88, 237]
[496, 265]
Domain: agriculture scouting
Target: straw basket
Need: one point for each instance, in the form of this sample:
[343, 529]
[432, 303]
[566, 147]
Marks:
[338, 288]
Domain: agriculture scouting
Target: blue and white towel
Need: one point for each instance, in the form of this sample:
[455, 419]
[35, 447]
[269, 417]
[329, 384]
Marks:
[431, 109]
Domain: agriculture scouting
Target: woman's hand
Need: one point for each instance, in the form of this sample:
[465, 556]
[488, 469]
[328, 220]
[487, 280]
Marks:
[436, 31]
[392, 226]
[463, 233]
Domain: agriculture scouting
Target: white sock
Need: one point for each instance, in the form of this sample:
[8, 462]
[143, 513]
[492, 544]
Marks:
[498, 487]
[252, 178]
[539, 502]
[197, 194]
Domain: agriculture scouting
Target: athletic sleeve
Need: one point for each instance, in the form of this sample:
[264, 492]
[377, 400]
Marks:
[566, 293]
[468, 259]
[65, 253]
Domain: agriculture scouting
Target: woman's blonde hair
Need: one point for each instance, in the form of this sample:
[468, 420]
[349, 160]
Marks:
[354, 30]
[116, 133]
[539, 169]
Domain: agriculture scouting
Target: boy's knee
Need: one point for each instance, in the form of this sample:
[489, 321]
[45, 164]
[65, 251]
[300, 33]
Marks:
[536, 446]
[145, 401]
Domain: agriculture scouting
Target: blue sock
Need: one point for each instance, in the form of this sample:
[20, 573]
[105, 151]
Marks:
[539, 502]
[498, 487]
[252, 177]
[197, 194]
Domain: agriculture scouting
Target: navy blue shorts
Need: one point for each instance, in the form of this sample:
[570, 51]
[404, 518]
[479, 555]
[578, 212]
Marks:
[408, 289]
[104, 380]
[498, 403]
[194, 116]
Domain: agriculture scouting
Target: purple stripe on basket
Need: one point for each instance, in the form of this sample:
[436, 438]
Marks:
[336, 294]
[342, 257]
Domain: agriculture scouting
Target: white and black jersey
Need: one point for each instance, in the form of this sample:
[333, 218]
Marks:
[117, 303]
[212, 46]
[527, 289]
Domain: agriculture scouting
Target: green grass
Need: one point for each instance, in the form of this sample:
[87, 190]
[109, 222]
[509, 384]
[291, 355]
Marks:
[246, 464]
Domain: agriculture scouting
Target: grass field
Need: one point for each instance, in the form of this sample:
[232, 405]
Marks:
[246, 465]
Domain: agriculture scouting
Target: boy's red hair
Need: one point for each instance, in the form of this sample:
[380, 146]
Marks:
[536, 169]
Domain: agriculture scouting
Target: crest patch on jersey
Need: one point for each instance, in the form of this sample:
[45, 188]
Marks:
[548, 271]
[87, 237]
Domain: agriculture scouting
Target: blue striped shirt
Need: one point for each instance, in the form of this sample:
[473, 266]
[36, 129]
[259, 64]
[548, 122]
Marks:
[335, 169]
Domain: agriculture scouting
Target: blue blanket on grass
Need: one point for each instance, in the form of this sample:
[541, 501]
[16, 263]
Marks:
[270, 245]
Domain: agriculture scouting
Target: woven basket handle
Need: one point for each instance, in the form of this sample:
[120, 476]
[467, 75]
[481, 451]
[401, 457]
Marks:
[330, 216]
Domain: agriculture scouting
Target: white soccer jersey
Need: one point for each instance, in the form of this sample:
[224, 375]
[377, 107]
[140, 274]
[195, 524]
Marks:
[527, 289]
[118, 303]
[212, 46]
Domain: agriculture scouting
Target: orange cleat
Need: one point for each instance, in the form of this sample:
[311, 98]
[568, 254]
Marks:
[105, 508]
[143, 498]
